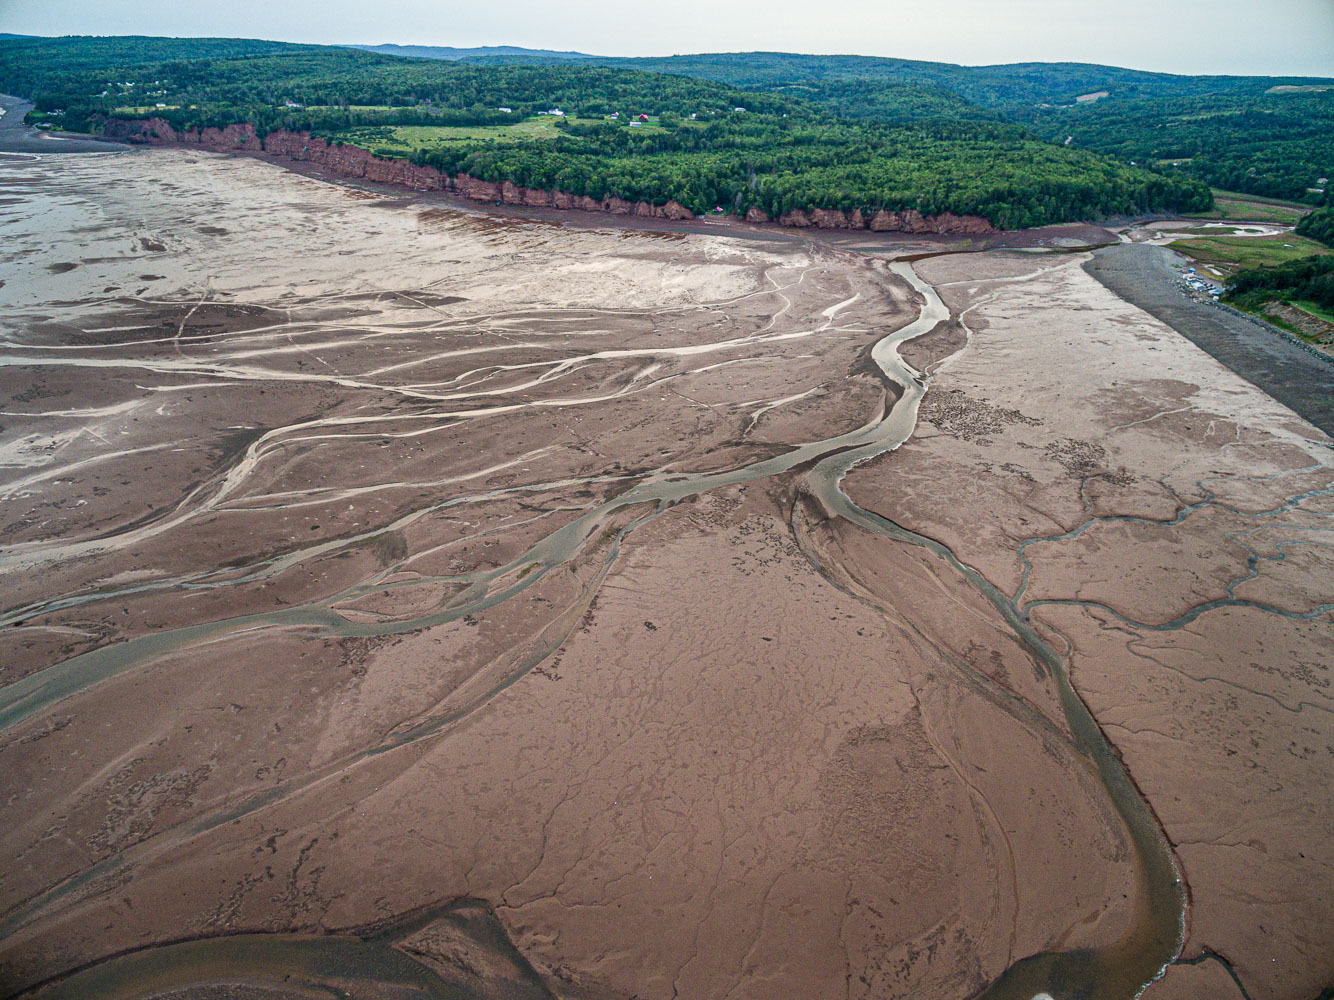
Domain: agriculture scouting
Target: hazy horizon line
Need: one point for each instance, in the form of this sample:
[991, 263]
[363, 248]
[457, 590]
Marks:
[603, 55]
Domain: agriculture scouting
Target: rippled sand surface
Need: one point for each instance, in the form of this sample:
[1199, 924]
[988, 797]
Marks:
[326, 605]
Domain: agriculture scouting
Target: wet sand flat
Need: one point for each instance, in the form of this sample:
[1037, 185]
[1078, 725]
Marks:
[370, 560]
[19, 141]
[1145, 276]
[1163, 519]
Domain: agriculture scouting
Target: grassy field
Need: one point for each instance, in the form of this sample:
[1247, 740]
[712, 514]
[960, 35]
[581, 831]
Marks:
[1252, 208]
[405, 138]
[1299, 89]
[1233, 253]
[1319, 312]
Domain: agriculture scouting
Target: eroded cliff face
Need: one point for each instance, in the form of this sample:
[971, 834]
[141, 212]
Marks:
[158, 130]
[353, 161]
[909, 221]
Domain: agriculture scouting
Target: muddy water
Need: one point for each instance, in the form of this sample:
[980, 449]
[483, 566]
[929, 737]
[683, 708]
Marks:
[1119, 970]
[1124, 968]
[367, 966]
[271, 965]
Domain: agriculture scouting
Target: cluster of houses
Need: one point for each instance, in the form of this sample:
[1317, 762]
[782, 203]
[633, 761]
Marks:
[131, 84]
[635, 121]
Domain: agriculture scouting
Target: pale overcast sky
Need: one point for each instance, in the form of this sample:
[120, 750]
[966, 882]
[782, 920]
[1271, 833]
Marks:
[1273, 37]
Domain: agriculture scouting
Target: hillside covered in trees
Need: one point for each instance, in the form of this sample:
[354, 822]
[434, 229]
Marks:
[1307, 279]
[625, 132]
[1269, 136]
[1319, 226]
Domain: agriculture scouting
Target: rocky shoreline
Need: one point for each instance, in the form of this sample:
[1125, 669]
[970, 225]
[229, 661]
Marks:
[355, 162]
[1291, 371]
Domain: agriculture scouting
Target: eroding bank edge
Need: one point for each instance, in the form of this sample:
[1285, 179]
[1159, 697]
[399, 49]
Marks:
[353, 161]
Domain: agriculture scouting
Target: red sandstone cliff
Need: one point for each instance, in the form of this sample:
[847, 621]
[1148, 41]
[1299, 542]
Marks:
[353, 161]
[909, 221]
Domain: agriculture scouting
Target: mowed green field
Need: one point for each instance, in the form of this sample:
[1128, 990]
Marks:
[1251, 208]
[406, 138]
[1233, 253]
[1316, 310]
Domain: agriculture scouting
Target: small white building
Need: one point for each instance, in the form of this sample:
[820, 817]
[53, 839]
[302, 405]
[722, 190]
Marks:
[508, 111]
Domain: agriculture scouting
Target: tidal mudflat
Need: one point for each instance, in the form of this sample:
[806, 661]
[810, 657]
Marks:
[418, 602]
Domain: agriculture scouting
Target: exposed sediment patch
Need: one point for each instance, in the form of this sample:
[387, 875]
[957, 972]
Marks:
[481, 563]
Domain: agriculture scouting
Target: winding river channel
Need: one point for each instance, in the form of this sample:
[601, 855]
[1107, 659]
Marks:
[337, 962]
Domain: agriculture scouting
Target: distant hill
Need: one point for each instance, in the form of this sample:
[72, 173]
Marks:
[1001, 86]
[897, 155]
[1004, 87]
[481, 52]
[1268, 136]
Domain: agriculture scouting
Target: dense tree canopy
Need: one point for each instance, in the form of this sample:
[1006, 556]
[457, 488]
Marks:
[1271, 136]
[1319, 225]
[1001, 175]
[1309, 279]
[1008, 87]
[1278, 145]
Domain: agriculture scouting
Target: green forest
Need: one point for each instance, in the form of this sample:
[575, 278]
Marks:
[1308, 279]
[764, 130]
[1307, 282]
[1278, 145]
[1269, 136]
[1319, 226]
